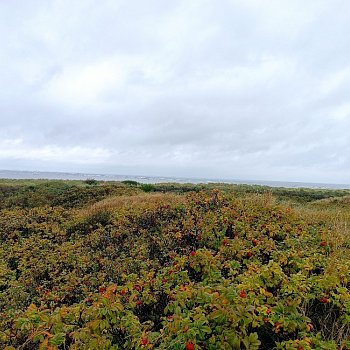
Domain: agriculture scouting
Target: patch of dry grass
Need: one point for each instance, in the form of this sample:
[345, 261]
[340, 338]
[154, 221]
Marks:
[141, 201]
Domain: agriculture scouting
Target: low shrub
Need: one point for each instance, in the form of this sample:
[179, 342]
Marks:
[130, 182]
[204, 270]
[91, 182]
[147, 187]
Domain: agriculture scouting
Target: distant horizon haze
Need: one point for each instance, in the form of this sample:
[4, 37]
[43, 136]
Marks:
[50, 175]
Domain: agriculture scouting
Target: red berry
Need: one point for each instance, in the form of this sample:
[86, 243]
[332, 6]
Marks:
[101, 290]
[138, 302]
[144, 341]
[122, 292]
[323, 243]
[268, 311]
[249, 254]
[137, 287]
[324, 300]
[189, 346]
[193, 253]
[225, 242]
[255, 242]
[242, 294]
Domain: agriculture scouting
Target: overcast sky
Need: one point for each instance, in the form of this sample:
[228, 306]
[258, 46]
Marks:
[220, 89]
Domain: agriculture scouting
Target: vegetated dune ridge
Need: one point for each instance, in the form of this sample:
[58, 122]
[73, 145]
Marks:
[93, 265]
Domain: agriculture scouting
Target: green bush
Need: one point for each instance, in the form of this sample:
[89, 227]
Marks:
[130, 182]
[147, 187]
[201, 270]
[91, 182]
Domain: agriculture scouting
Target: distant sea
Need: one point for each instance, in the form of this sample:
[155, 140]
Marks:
[14, 174]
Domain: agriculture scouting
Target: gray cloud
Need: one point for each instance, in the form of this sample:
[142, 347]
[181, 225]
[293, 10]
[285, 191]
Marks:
[231, 89]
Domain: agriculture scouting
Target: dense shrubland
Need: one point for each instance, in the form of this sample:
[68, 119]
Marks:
[123, 266]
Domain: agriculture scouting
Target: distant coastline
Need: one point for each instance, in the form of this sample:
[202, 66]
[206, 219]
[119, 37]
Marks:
[22, 174]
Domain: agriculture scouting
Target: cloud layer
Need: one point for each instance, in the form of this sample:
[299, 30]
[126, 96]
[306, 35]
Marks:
[230, 89]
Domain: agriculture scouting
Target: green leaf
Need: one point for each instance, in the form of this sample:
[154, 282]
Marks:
[251, 342]
[58, 339]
